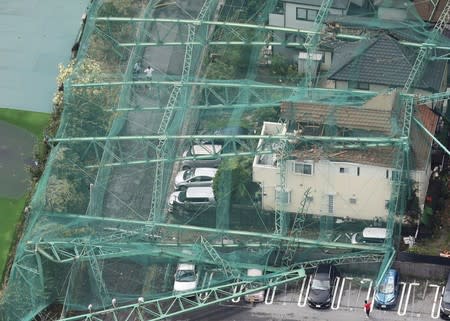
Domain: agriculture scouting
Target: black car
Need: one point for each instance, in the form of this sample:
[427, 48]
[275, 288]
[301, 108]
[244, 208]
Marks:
[445, 304]
[322, 285]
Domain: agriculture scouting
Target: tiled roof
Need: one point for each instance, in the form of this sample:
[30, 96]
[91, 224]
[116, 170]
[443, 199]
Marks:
[382, 61]
[374, 116]
[345, 117]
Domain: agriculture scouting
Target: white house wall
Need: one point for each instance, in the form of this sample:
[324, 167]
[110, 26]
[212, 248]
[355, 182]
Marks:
[369, 191]
[276, 20]
[291, 15]
[422, 180]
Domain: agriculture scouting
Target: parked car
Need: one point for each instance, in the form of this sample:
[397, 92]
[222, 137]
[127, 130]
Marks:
[370, 235]
[445, 303]
[194, 177]
[387, 294]
[322, 286]
[206, 155]
[186, 278]
[255, 296]
[191, 199]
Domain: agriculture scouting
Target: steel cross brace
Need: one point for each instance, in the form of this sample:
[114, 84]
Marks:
[166, 307]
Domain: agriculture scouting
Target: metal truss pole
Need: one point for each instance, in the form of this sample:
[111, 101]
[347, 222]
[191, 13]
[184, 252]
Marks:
[97, 273]
[163, 148]
[161, 42]
[296, 230]
[282, 197]
[171, 306]
[217, 259]
[312, 41]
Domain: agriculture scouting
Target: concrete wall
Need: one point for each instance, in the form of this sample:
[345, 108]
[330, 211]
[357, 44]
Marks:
[422, 266]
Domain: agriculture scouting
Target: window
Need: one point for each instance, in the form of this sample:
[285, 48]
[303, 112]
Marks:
[352, 200]
[306, 14]
[358, 171]
[283, 197]
[343, 170]
[303, 168]
[358, 85]
[396, 176]
[330, 204]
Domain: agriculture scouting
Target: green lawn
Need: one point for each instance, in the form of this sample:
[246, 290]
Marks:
[32, 121]
[11, 209]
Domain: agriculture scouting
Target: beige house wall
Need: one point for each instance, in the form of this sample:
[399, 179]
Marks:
[356, 197]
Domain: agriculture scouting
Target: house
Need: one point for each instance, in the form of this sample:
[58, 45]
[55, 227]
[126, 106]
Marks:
[348, 182]
[300, 14]
[381, 63]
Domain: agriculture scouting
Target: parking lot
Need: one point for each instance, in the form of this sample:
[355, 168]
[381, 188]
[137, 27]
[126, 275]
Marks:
[418, 300]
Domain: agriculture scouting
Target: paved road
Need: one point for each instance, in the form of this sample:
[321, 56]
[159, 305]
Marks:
[36, 35]
[286, 306]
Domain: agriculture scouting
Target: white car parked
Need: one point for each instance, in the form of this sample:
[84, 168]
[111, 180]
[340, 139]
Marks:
[186, 278]
[194, 177]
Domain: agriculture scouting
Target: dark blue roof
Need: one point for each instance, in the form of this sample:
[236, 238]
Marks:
[382, 61]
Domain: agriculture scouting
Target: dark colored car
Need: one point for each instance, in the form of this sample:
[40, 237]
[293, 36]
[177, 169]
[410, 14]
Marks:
[322, 286]
[445, 304]
[387, 294]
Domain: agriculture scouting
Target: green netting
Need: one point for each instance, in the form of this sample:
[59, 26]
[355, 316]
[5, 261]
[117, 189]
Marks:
[100, 227]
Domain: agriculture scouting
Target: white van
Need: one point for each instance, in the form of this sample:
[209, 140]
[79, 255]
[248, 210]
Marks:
[255, 296]
[191, 199]
[370, 235]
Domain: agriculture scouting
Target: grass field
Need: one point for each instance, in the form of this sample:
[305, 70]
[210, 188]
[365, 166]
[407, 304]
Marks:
[11, 209]
[34, 122]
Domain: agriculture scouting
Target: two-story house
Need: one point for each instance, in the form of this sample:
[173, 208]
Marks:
[350, 181]
[301, 14]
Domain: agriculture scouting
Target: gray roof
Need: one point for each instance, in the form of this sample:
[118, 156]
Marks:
[382, 61]
[337, 4]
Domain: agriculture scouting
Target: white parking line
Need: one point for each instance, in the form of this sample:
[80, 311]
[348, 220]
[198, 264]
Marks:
[336, 288]
[410, 286]
[267, 301]
[204, 295]
[435, 312]
[369, 290]
[299, 302]
[236, 300]
[336, 306]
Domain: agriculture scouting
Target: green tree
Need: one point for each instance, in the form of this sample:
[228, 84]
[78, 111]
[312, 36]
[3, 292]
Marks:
[241, 176]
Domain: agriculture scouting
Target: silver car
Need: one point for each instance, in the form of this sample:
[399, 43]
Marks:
[205, 155]
[194, 177]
